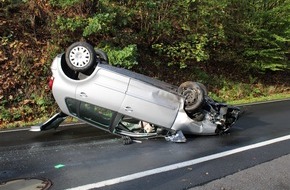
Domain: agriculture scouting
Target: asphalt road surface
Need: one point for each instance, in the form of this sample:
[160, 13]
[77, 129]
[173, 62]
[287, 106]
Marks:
[83, 157]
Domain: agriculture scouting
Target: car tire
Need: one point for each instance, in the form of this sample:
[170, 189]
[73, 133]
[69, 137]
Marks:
[102, 56]
[203, 88]
[80, 56]
[193, 94]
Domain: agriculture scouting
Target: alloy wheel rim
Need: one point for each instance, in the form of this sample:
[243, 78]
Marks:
[79, 56]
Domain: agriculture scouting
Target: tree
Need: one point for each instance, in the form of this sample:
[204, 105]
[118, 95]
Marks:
[257, 33]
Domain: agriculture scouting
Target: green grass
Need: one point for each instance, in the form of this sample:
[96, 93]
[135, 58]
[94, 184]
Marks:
[274, 97]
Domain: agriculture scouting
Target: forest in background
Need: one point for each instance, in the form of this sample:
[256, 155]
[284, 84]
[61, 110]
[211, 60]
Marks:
[240, 49]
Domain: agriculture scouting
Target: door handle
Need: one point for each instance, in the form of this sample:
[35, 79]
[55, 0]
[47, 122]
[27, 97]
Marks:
[83, 95]
[128, 109]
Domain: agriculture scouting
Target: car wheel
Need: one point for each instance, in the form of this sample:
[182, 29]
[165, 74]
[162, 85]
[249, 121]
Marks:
[193, 94]
[202, 86]
[102, 56]
[80, 56]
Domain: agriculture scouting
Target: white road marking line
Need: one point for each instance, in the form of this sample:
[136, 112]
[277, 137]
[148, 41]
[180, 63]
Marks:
[14, 130]
[178, 165]
[27, 129]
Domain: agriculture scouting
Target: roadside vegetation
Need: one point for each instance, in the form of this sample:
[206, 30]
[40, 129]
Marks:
[240, 49]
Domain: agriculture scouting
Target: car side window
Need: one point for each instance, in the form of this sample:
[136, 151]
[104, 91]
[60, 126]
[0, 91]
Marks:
[72, 105]
[95, 114]
[89, 112]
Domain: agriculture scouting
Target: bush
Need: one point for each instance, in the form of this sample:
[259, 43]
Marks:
[126, 57]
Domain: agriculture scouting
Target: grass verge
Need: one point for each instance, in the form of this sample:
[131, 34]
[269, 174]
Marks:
[274, 97]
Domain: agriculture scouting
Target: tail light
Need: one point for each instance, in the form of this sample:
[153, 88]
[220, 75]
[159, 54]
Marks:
[50, 83]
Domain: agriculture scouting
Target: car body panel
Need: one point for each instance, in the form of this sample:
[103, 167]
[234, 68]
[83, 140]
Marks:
[189, 126]
[106, 89]
[149, 103]
[62, 85]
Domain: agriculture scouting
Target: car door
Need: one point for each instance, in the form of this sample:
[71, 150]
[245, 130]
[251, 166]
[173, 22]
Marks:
[149, 103]
[106, 89]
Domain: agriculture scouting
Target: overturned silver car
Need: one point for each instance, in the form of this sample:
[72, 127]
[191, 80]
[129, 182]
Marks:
[129, 104]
